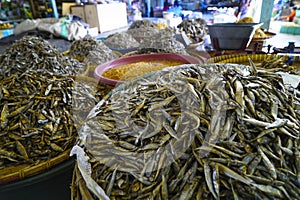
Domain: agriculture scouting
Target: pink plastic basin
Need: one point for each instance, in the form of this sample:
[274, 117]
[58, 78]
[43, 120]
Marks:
[138, 58]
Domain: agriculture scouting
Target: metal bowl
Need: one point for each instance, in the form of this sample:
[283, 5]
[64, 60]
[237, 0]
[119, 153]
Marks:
[232, 36]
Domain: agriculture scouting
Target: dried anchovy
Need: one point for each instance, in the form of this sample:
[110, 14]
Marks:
[41, 114]
[36, 54]
[197, 132]
[121, 40]
[95, 58]
[282, 64]
[142, 24]
[162, 42]
[142, 32]
[89, 50]
[80, 49]
[195, 29]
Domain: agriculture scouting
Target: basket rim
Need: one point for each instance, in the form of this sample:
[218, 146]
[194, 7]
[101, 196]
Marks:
[28, 171]
[244, 57]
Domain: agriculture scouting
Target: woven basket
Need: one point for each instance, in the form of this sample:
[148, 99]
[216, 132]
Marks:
[19, 172]
[256, 58]
[244, 59]
[217, 59]
[22, 171]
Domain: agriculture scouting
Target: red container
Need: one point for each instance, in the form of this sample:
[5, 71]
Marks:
[138, 58]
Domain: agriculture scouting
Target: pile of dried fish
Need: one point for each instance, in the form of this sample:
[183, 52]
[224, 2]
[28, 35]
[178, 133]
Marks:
[91, 51]
[121, 40]
[142, 24]
[36, 54]
[194, 132]
[195, 29]
[142, 29]
[141, 33]
[161, 42]
[40, 115]
[95, 58]
[280, 63]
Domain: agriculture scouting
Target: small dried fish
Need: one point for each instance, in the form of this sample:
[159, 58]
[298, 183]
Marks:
[33, 128]
[202, 144]
[32, 53]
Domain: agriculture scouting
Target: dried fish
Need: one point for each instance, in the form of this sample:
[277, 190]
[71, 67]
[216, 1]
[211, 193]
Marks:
[33, 53]
[161, 42]
[121, 40]
[195, 29]
[33, 128]
[189, 139]
[91, 51]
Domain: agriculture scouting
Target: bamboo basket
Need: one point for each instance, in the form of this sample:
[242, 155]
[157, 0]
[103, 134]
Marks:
[256, 58]
[218, 59]
[20, 172]
[243, 59]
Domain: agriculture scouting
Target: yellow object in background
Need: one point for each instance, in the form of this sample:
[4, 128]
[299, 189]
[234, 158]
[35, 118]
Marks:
[6, 26]
[245, 20]
[259, 33]
[133, 70]
[162, 25]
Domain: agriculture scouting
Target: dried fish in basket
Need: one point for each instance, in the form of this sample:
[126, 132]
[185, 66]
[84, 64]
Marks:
[37, 54]
[40, 118]
[211, 131]
[142, 33]
[271, 63]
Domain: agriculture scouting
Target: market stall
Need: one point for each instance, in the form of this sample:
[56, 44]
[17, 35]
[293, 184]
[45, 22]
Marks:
[150, 111]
